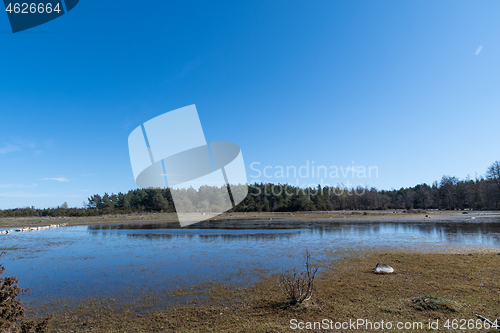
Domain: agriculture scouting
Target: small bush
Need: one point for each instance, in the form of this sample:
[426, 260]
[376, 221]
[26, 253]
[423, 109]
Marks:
[12, 309]
[298, 287]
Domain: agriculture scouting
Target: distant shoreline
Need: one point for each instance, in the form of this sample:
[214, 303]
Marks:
[265, 220]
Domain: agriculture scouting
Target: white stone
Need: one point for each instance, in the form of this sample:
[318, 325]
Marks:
[383, 268]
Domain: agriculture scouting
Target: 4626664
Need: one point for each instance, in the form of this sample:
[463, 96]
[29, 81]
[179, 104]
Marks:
[32, 8]
[471, 324]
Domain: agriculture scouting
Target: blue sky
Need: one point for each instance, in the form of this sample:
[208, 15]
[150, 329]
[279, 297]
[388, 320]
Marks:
[409, 87]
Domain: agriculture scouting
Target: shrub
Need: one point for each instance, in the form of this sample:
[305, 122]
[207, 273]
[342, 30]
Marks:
[12, 310]
[298, 286]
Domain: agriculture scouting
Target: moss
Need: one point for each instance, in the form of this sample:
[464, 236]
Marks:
[433, 303]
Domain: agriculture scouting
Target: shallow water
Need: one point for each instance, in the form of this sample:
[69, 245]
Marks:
[120, 260]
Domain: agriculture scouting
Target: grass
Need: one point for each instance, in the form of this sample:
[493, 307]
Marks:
[424, 286]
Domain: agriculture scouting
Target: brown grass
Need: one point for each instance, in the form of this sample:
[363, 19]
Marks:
[460, 284]
[344, 216]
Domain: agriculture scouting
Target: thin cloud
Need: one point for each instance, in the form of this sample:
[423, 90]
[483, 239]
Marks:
[17, 146]
[479, 49]
[23, 195]
[57, 179]
[17, 185]
[9, 149]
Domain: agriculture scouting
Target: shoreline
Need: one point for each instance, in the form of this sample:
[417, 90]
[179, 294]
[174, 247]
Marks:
[278, 220]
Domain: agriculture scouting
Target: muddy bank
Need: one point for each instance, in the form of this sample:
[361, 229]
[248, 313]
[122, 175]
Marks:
[269, 220]
[299, 223]
[312, 220]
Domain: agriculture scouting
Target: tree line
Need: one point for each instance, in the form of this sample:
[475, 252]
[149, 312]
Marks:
[450, 193]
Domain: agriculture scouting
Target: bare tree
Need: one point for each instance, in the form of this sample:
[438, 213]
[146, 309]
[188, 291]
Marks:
[448, 192]
[298, 286]
[493, 175]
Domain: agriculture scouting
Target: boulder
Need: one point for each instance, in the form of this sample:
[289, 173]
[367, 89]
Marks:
[382, 268]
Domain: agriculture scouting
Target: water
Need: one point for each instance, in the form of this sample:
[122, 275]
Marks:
[120, 261]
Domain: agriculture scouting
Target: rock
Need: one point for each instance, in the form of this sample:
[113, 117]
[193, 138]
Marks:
[383, 268]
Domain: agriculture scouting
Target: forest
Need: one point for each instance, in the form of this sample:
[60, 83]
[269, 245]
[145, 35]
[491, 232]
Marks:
[450, 193]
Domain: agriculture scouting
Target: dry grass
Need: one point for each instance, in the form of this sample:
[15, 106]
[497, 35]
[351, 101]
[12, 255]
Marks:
[424, 286]
[344, 216]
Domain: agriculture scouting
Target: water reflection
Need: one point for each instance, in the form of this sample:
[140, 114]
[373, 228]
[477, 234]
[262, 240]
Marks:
[142, 226]
[218, 237]
[457, 233]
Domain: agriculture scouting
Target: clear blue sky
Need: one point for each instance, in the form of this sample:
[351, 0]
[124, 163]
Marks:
[412, 87]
